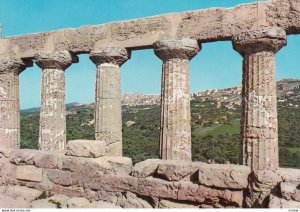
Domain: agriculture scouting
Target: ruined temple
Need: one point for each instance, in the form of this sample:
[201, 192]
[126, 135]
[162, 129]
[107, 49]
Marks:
[94, 173]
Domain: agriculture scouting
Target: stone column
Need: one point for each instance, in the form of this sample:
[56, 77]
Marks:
[175, 126]
[259, 128]
[108, 114]
[10, 68]
[52, 133]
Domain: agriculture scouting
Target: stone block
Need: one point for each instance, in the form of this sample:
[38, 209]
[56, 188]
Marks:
[43, 203]
[85, 169]
[86, 148]
[288, 190]
[23, 156]
[163, 203]
[60, 198]
[261, 183]
[175, 170]
[71, 191]
[112, 183]
[296, 196]
[46, 184]
[189, 191]
[4, 156]
[29, 173]
[47, 160]
[156, 188]
[142, 186]
[6, 152]
[101, 204]
[289, 175]
[10, 202]
[224, 176]
[145, 168]
[60, 177]
[130, 200]
[264, 180]
[24, 192]
[122, 165]
[77, 202]
[276, 202]
[8, 172]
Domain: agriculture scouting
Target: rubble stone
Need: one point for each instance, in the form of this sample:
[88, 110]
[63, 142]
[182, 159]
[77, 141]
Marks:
[175, 170]
[86, 148]
[77, 202]
[24, 192]
[145, 168]
[30, 173]
[43, 203]
[276, 202]
[9, 202]
[60, 177]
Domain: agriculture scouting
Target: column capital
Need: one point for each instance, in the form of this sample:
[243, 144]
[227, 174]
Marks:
[13, 65]
[182, 49]
[267, 39]
[113, 55]
[55, 59]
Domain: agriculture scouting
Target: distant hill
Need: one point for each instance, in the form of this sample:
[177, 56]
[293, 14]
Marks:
[69, 106]
[286, 89]
[288, 84]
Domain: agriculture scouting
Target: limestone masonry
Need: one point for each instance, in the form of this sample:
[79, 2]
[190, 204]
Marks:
[204, 25]
[84, 177]
[85, 173]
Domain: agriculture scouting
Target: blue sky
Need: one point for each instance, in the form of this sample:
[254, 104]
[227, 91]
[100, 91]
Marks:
[216, 66]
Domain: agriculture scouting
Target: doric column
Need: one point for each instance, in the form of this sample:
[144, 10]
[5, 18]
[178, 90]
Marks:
[259, 128]
[175, 126]
[108, 114]
[52, 133]
[10, 68]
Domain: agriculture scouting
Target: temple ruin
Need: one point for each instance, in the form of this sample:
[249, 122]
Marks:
[95, 170]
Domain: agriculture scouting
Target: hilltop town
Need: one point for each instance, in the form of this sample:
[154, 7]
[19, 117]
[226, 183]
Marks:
[287, 90]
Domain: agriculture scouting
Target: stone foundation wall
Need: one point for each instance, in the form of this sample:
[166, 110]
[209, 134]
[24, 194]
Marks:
[86, 177]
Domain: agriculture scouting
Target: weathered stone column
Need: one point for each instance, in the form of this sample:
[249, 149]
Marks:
[10, 68]
[52, 134]
[259, 128]
[108, 114]
[175, 126]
